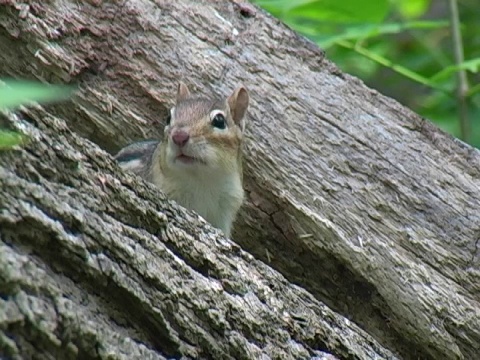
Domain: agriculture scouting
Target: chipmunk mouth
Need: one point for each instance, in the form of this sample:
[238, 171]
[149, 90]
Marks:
[188, 160]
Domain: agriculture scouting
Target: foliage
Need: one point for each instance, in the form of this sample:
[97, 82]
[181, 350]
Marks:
[9, 139]
[403, 48]
[15, 93]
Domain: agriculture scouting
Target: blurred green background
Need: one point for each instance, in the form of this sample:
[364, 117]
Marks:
[14, 93]
[403, 48]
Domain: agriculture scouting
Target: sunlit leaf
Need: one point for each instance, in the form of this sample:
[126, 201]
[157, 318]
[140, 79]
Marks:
[14, 93]
[412, 8]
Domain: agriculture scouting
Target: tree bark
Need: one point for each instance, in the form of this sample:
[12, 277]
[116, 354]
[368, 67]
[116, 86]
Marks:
[370, 209]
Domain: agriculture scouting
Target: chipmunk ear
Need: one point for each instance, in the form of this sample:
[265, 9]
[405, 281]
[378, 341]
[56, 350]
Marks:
[238, 104]
[182, 91]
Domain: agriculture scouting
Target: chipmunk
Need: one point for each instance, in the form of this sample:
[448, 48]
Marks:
[199, 161]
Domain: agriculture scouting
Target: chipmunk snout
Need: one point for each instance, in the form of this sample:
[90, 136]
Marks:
[180, 138]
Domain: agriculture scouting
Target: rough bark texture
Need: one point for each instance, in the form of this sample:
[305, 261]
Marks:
[94, 264]
[368, 207]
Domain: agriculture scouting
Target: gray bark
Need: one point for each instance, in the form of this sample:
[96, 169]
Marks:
[95, 263]
[370, 209]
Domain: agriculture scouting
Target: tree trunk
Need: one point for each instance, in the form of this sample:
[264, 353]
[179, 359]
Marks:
[370, 209]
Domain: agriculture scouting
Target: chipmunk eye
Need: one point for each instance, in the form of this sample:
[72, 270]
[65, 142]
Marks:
[219, 121]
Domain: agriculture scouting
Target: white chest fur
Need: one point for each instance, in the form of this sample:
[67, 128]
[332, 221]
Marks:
[215, 196]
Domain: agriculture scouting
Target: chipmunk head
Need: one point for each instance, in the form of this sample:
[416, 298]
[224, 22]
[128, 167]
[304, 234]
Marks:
[203, 134]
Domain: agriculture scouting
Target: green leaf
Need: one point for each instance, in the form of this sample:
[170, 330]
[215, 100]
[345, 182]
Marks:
[472, 65]
[363, 32]
[281, 6]
[9, 139]
[393, 66]
[345, 11]
[412, 8]
[14, 93]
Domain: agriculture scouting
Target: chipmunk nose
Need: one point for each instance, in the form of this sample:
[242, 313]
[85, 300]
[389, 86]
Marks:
[180, 138]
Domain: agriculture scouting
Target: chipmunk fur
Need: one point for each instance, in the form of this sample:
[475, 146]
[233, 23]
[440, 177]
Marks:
[199, 161]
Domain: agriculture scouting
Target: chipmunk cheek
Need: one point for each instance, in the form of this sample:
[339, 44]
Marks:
[220, 156]
[169, 156]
